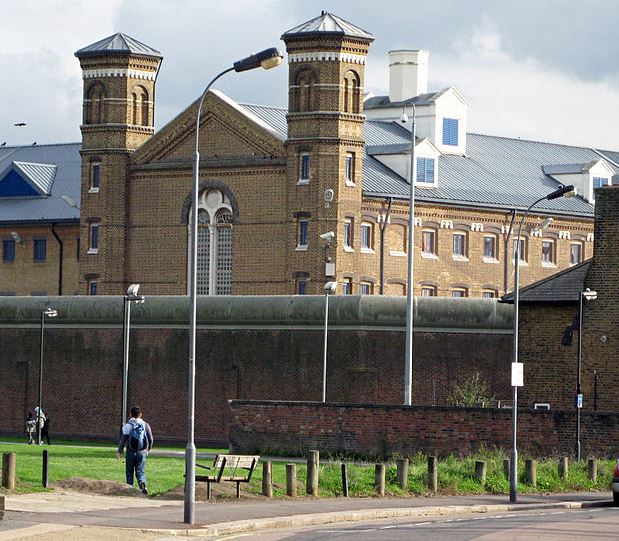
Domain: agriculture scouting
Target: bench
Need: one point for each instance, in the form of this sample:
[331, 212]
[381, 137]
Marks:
[235, 468]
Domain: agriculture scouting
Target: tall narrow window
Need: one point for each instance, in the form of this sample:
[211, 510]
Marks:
[548, 252]
[367, 237]
[459, 245]
[348, 234]
[224, 252]
[301, 286]
[425, 170]
[92, 287]
[95, 175]
[302, 234]
[346, 286]
[94, 238]
[490, 247]
[40, 249]
[450, 131]
[428, 242]
[522, 245]
[8, 251]
[349, 169]
[304, 169]
[203, 285]
[575, 253]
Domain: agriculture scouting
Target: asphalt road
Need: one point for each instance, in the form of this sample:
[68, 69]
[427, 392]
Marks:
[599, 524]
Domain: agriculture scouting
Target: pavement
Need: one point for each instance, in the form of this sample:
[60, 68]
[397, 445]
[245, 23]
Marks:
[63, 515]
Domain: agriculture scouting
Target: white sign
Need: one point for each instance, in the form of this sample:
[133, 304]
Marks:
[517, 375]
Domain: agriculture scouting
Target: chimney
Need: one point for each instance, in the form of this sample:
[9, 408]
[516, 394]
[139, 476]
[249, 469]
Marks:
[408, 74]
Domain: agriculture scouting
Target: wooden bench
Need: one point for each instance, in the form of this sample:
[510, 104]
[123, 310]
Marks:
[236, 468]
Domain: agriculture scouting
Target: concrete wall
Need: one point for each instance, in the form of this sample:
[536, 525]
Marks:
[265, 348]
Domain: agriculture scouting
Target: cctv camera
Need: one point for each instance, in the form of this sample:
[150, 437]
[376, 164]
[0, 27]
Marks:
[328, 236]
[403, 118]
[329, 194]
[330, 287]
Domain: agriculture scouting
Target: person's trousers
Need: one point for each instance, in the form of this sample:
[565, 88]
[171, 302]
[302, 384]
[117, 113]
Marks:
[135, 462]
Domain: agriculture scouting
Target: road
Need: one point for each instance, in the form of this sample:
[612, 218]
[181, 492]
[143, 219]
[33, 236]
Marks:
[600, 524]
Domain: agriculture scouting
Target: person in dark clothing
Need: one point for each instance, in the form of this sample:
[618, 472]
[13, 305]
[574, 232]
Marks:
[31, 426]
[44, 422]
[137, 437]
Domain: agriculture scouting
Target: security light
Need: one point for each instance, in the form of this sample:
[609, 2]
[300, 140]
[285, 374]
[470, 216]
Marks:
[50, 312]
[589, 295]
[330, 288]
[328, 236]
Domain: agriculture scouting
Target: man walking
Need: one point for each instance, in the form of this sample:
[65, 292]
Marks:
[138, 438]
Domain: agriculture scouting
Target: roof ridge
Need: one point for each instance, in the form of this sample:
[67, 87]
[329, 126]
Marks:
[525, 140]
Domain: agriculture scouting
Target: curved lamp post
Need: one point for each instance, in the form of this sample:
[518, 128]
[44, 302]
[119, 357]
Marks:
[329, 288]
[563, 191]
[269, 58]
[408, 353]
[45, 313]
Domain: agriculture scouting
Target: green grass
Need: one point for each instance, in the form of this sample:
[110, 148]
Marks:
[455, 475]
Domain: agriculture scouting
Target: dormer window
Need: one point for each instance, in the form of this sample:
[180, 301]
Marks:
[598, 182]
[450, 131]
[425, 170]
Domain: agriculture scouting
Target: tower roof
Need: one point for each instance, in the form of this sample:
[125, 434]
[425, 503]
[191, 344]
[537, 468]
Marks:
[328, 24]
[118, 44]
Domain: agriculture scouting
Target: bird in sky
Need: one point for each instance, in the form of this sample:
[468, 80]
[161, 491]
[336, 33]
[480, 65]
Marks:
[19, 124]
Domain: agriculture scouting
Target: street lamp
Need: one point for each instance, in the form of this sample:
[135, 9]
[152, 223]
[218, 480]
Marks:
[267, 59]
[131, 297]
[408, 354]
[45, 313]
[587, 295]
[562, 191]
[329, 288]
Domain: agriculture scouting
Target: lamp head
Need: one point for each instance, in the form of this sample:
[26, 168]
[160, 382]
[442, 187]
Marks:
[17, 237]
[50, 312]
[330, 288]
[328, 236]
[70, 201]
[544, 224]
[589, 295]
[267, 59]
[133, 289]
[562, 191]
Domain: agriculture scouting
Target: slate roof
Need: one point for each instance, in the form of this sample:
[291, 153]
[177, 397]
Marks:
[39, 162]
[327, 23]
[118, 44]
[565, 286]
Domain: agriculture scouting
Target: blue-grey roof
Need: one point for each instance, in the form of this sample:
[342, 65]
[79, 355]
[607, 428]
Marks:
[328, 23]
[118, 44]
[38, 162]
[378, 102]
[564, 169]
[610, 155]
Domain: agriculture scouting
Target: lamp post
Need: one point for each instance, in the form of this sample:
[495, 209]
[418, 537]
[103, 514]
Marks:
[131, 297]
[269, 58]
[45, 313]
[408, 353]
[562, 191]
[329, 288]
[587, 295]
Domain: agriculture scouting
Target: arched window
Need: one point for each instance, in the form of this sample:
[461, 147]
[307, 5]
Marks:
[139, 106]
[214, 244]
[305, 81]
[351, 92]
[94, 104]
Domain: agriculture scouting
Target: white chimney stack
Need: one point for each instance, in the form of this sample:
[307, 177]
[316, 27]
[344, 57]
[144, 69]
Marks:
[408, 74]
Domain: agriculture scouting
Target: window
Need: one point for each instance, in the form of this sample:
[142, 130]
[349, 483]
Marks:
[8, 251]
[304, 169]
[348, 235]
[548, 252]
[92, 287]
[349, 175]
[365, 288]
[522, 245]
[302, 287]
[575, 253]
[347, 286]
[459, 292]
[598, 182]
[425, 170]
[77, 250]
[428, 241]
[40, 249]
[459, 245]
[450, 131]
[428, 291]
[94, 238]
[95, 173]
[541, 405]
[223, 239]
[490, 247]
[489, 294]
[367, 237]
[302, 228]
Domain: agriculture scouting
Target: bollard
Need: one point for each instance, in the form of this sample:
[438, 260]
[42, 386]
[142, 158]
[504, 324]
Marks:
[563, 467]
[379, 479]
[291, 480]
[313, 461]
[45, 477]
[506, 467]
[530, 472]
[345, 480]
[432, 474]
[592, 469]
[1, 507]
[480, 470]
[8, 471]
[403, 473]
[267, 479]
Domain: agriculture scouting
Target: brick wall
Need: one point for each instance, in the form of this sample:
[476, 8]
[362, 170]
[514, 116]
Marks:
[385, 430]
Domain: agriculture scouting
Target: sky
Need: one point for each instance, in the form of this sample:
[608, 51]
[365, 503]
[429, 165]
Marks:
[545, 70]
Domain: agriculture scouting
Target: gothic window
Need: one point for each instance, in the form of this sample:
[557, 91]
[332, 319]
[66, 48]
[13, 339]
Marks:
[94, 104]
[351, 92]
[214, 275]
[139, 106]
[305, 81]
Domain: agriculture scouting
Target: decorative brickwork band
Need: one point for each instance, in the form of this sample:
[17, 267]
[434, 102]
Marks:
[326, 55]
[117, 72]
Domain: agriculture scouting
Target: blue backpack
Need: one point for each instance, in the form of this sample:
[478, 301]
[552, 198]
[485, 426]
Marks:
[137, 436]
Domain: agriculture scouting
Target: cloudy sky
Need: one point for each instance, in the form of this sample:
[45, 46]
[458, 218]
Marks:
[537, 69]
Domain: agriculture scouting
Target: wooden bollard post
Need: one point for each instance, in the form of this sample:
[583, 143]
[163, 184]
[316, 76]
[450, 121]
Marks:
[291, 480]
[345, 480]
[379, 479]
[8, 471]
[403, 473]
[506, 467]
[530, 472]
[313, 461]
[45, 476]
[563, 467]
[267, 479]
[432, 474]
[592, 469]
[480, 471]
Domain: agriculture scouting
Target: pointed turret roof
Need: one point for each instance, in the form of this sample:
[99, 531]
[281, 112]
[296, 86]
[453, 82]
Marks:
[118, 44]
[328, 24]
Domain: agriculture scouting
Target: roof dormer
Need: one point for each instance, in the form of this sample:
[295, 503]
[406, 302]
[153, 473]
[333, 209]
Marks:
[21, 179]
[586, 177]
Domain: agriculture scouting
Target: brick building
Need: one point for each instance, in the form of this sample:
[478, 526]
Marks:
[273, 180]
